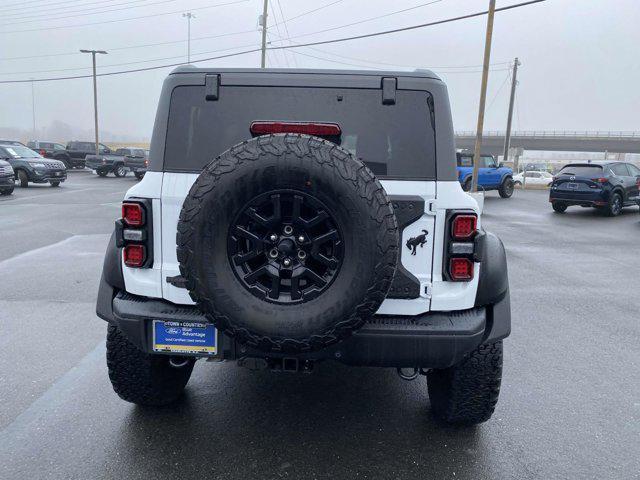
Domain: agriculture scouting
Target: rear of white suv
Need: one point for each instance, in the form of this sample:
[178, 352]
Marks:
[290, 217]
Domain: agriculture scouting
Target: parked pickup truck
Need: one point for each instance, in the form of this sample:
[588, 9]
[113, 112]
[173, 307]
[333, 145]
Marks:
[137, 160]
[120, 163]
[76, 152]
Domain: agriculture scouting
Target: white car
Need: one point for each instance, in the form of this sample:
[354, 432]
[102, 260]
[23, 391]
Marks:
[533, 178]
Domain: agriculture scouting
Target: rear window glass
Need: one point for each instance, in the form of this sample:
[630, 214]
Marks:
[581, 171]
[466, 160]
[395, 141]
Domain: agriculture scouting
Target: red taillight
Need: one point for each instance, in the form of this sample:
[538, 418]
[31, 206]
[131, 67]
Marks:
[317, 129]
[461, 269]
[464, 226]
[133, 214]
[146, 162]
[599, 180]
[134, 255]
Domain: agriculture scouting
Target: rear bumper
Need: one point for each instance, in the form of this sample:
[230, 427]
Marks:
[433, 340]
[595, 198]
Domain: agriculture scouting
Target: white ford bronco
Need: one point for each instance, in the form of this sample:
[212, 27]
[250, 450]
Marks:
[293, 216]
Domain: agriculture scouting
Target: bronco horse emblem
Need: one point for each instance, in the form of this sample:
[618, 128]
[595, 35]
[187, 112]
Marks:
[412, 243]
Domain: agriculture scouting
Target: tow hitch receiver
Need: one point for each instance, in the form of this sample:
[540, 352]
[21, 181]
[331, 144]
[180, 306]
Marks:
[290, 365]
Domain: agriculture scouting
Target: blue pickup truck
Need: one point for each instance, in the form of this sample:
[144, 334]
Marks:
[491, 174]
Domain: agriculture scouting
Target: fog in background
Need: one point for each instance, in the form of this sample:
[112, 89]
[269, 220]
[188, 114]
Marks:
[580, 59]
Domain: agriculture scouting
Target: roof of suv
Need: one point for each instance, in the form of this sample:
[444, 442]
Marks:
[420, 73]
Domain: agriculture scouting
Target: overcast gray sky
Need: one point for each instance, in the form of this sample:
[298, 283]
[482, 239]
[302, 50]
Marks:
[580, 71]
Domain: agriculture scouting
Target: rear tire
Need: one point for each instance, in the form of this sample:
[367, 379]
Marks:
[466, 186]
[23, 179]
[102, 174]
[506, 188]
[615, 205]
[55, 184]
[120, 171]
[142, 378]
[467, 393]
[139, 176]
[7, 191]
[559, 207]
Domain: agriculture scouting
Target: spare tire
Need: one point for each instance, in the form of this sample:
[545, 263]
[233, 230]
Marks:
[287, 243]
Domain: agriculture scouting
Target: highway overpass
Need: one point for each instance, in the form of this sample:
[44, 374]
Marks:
[614, 142]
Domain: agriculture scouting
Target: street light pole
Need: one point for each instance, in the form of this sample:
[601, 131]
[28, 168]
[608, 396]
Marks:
[95, 93]
[188, 16]
[483, 95]
[264, 34]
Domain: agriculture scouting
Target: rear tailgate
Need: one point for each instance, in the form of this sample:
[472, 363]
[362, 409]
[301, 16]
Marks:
[395, 140]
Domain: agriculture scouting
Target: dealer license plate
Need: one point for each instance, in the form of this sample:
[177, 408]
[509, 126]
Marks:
[184, 337]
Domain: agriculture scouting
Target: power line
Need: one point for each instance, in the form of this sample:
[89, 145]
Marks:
[238, 33]
[309, 11]
[323, 42]
[286, 29]
[277, 25]
[414, 27]
[64, 15]
[494, 64]
[129, 63]
[500, 89]
[131, 46]
[284, 22]
[368, 19]
[360, 65]
[123, 19]
[21, 6]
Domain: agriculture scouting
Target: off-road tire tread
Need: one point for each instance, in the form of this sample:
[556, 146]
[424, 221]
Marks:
[139, 377]
[365, 184]
[467, 393]
[501, 189]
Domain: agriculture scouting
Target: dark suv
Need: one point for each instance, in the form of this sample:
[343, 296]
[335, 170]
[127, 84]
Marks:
[608, 186]
[7, 178]
[76, 153]
[29, 166]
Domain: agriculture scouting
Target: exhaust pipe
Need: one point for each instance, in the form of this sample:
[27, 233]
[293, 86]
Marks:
[408, 377]
[179, 362]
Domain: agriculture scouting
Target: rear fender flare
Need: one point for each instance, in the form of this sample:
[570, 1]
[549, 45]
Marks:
[493, 282]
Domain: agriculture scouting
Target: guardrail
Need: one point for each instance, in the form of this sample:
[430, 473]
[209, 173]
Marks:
[552, 133]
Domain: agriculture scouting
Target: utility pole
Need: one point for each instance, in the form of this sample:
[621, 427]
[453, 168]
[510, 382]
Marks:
[95, 93]
[188, 16]
[507, 136]
[263, 21]
[33, 111]
[483, 95]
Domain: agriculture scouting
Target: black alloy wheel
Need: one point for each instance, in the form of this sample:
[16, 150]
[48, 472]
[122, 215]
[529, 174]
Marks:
[285, 247]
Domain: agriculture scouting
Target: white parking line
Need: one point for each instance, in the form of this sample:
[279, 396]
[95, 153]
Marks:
[49, 194]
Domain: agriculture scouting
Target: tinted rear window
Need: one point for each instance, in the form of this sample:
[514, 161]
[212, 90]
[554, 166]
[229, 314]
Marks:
[581, 171]
[395, 141]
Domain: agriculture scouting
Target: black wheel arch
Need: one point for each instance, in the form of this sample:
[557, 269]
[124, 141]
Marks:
[111, 281]
[493, 282]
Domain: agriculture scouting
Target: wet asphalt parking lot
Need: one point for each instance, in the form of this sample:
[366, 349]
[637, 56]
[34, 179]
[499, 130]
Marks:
[569, 406]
